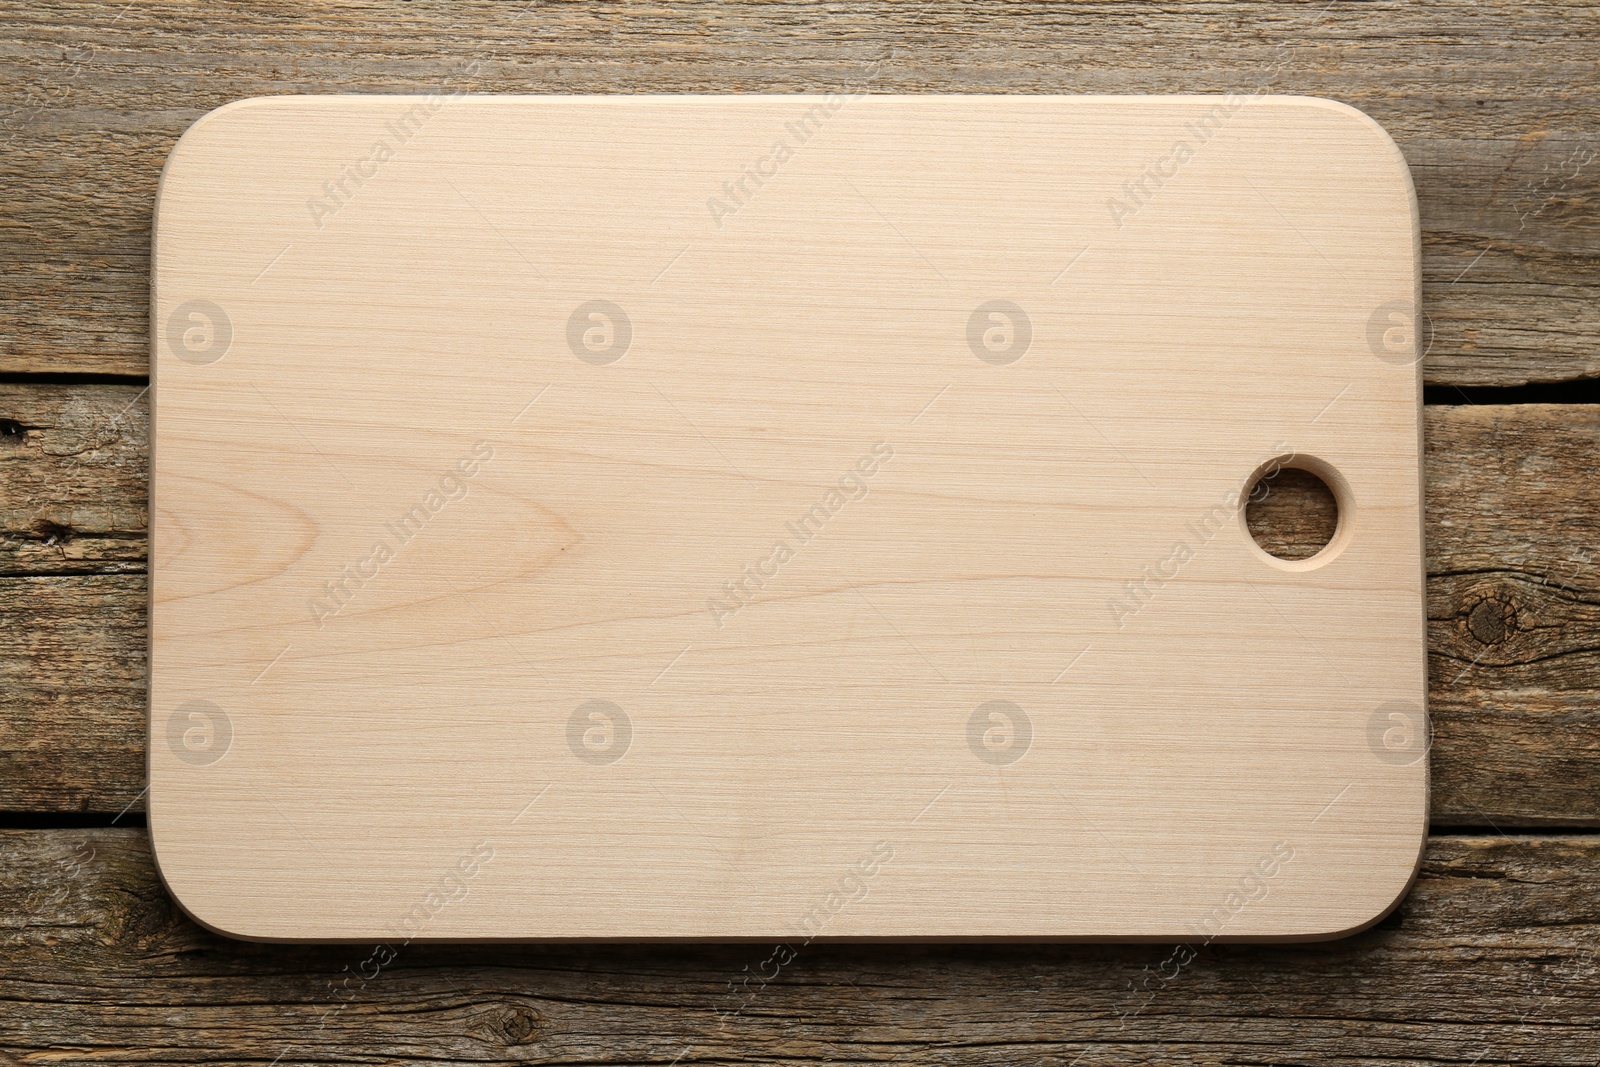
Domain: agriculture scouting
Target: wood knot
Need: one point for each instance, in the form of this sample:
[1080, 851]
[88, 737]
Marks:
[1492, 619]
[147, 920]
[517, 1025]
[12, 432]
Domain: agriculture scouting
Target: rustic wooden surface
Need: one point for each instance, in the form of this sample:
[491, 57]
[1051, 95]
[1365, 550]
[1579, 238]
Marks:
[1491, 960]
[1493, 104]
[1513, 537]
[1494, 958]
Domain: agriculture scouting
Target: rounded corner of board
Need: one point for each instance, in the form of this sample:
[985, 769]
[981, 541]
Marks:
[196, 901]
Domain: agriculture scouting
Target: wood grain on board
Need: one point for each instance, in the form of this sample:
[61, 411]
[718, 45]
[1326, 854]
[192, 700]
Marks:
[822, 347]
[1495, 106]
[1492, 959]
[1514, 584]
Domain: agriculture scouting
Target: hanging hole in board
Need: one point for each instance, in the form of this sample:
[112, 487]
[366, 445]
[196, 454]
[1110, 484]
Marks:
[1296, 511]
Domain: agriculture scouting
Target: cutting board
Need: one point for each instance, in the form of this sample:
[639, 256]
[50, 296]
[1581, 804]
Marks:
[783, 517]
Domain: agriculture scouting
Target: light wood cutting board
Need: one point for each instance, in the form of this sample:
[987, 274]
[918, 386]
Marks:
[783, 517]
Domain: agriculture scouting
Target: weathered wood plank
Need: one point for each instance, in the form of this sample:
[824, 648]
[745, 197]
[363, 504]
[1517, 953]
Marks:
[1514, 605]
[73, 482]
[1494, 104]
[1494, 958]
[1513, 534]
[72, 692]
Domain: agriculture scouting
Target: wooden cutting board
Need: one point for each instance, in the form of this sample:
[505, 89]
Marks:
[783, 517]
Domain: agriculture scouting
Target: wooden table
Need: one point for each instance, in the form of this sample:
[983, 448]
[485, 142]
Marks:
[1494, 957]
